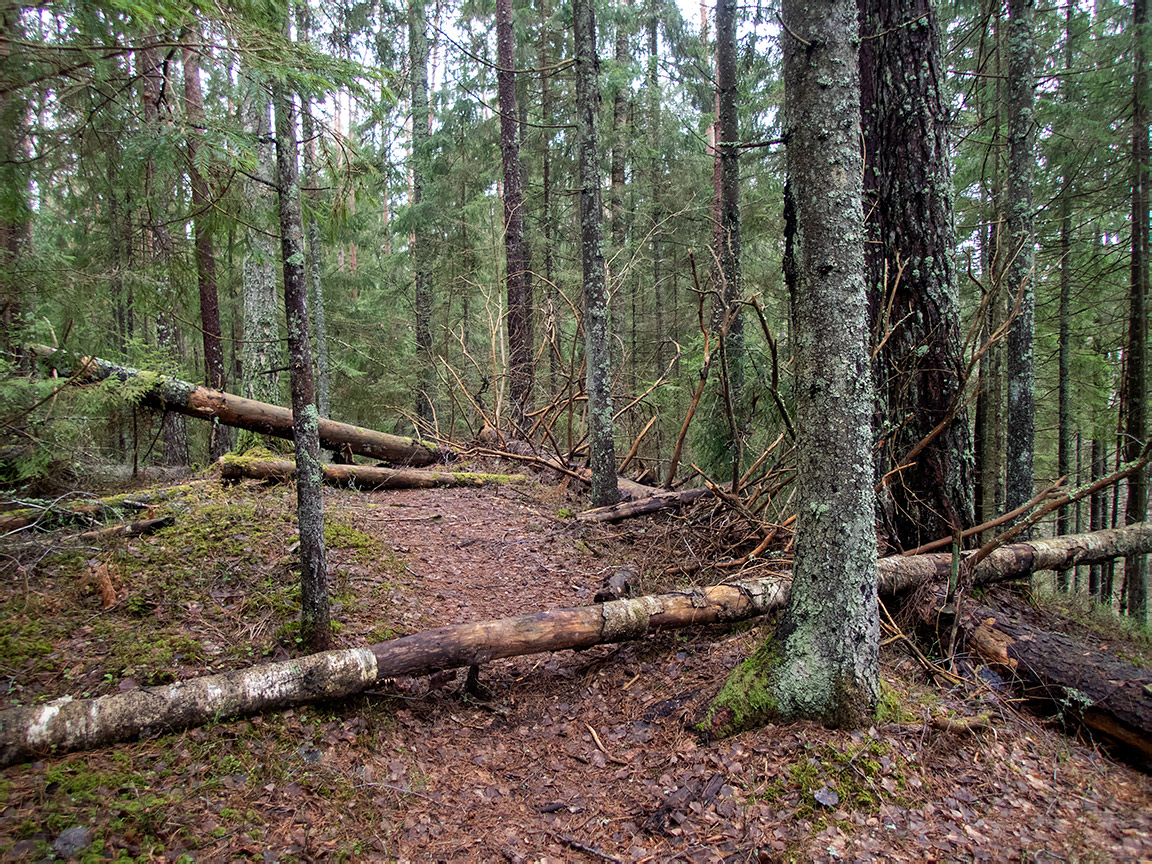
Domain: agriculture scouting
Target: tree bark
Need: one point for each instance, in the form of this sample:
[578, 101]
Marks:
[1136, 384]
[728, 247]
[597, 356]
[519, 349]
[360, 476]
[914, 317]
[1021, 408]
[218, 439]
[65, 724]
[170, 394]
[823, 662]
[419, 251]
[315, 258]
[262, 352]
[1081, 683]
[315, 628]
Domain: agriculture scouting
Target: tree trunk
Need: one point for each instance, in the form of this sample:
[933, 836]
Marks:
[218, 438]
[1064, 376]
[170, 394]
[1081, 683]
[823, 662]
[419, 236]
[728, 246]
[315, 628]
[519, 349]
[914, 317]
[65, 724]
[1136, 385]
[597, 356]
[315, 259]
[1020, 46]
[359, 476]
[158, 249]
[262, 351]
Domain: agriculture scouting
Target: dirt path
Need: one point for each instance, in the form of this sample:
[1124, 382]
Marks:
[575, 756]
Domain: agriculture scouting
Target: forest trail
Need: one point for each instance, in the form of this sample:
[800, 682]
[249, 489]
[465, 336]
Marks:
[574, 756]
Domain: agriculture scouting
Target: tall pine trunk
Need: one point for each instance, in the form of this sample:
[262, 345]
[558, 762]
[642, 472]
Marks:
[596, 324]
[419, 251]
[1136, 389]
[158, 248]
[914, 317]
[1020, 48]
[519, 349]
[219, 438]
[728, 237]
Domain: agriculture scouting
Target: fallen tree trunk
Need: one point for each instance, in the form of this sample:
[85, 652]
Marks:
[69, 725]
[658, 500]
[360, 476]
[1092, 686]
[55, 513]
[170, 394]
[128, 529]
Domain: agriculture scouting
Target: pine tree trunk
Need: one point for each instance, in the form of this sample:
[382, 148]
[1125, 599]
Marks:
[158, 243]
[823, 662]
[219, 438]
[1136, 389]
[315, 628]
[913, 317]
[596, 318]
[419, 251]
[728, 247]
[519, 349]
[1020, 47]
[315, 259]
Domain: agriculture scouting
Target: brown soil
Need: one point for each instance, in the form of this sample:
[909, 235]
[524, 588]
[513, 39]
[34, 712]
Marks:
[586, 756]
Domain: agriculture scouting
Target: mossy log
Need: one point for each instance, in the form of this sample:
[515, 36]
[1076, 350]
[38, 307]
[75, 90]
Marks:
[128, 529]
[234, 467]
[163, 393]
[1091, 685]
[30, 732]
[51, 513]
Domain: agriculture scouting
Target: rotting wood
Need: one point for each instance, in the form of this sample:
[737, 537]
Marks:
[29, 732]
[128, 529]
[1086, 684]
[360, 476]
[660, 500]
[52, 513]
[170, 394]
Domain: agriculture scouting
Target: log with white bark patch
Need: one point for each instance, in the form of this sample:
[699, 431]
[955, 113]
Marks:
[359, 476]
[661, 499]
[169, 394]
[29, 732]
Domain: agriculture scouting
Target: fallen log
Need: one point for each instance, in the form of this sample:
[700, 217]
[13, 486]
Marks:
[51, 513]
[169, 394]
[67, 724]
[658, 500]
[1092, 686]
[234, 467]
[128, 529]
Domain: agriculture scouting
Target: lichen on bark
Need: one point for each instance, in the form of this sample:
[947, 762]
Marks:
[823, 663]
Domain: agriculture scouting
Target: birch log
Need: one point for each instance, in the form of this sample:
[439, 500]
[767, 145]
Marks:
[360, 476]
[30, 732]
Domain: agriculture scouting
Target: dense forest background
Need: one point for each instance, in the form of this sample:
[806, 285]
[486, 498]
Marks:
[138, 213]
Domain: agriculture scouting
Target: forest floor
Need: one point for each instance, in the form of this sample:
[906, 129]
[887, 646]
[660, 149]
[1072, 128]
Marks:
[574, 756]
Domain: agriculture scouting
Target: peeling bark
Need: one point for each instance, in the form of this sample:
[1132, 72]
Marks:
[171, 394]
[28, 733]
[360, 476]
